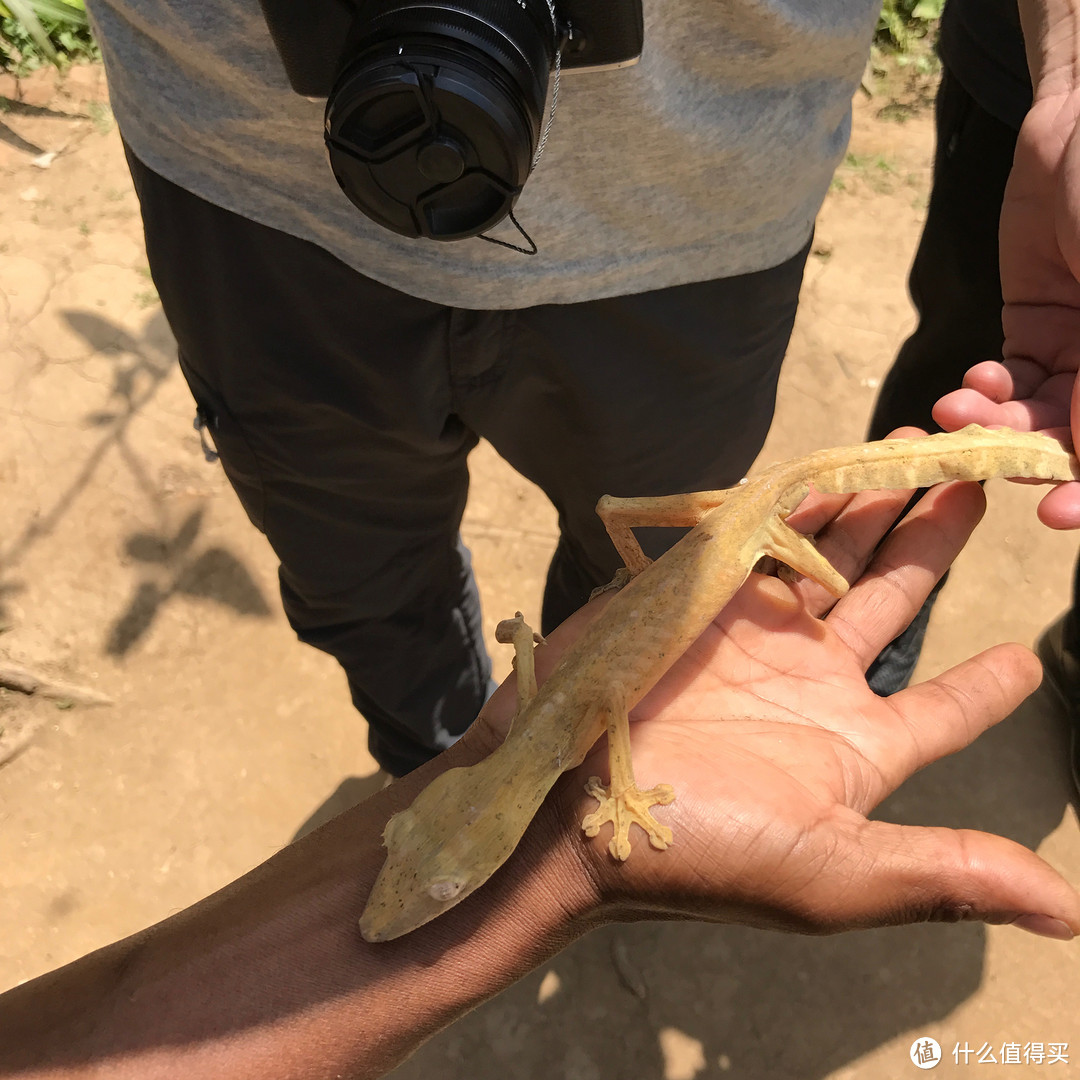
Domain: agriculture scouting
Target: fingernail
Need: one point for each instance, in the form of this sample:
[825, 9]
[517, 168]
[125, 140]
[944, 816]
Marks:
[1044, 926]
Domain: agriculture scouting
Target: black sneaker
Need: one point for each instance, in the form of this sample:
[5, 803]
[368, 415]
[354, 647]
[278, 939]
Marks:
[1061, 668]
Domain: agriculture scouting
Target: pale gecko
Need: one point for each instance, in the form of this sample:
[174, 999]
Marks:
[462, 827]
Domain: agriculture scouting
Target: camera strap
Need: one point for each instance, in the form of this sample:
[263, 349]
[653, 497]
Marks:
[541, 143]
[554, 90]
[530, 250]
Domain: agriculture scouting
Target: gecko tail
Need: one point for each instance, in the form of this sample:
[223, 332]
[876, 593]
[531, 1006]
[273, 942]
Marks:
[972, 453]
[458, 831]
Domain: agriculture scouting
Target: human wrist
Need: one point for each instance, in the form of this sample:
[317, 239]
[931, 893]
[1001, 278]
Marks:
[1052, 42]
[601, 887]
[276, 960]
[551, 880]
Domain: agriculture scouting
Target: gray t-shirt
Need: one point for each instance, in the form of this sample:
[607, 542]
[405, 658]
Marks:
[710, 157]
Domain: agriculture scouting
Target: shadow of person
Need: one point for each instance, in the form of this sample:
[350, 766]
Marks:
[761, 1005]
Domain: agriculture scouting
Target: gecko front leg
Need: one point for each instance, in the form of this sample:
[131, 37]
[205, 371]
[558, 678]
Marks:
[622, 802]
[517, 632]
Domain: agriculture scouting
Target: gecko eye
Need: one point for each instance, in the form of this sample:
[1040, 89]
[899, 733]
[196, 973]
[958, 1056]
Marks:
[445, 888]
[397, 828]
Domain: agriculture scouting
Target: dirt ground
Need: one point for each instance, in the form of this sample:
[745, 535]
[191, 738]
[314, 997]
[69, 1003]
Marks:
[127, 567]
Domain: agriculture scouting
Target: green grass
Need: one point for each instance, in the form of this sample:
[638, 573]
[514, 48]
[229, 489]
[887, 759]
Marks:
[34, 33]
[871, 170]
[904, 23]
[874, 162]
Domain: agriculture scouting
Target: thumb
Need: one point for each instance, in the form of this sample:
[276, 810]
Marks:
[1067, 208]
[896, 874]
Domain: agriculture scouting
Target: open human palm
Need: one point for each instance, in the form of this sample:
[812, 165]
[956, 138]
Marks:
[1033, 387]
[777, 750]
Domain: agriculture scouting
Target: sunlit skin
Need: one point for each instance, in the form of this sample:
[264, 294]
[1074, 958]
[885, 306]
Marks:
[1035, 389]
[774, 787]
[765, 727]
[462, 828]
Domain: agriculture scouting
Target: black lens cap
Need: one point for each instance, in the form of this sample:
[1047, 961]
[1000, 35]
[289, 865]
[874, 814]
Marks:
[441, 159]
[429, 142]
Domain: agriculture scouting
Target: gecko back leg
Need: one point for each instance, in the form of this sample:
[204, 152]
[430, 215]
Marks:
[622, 516]
[622, 802]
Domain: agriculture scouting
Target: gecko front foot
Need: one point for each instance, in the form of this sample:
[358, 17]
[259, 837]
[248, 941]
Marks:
[623, 810]
[621, 578]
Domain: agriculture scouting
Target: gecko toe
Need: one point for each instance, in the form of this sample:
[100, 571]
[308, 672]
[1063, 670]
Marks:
[628, 808]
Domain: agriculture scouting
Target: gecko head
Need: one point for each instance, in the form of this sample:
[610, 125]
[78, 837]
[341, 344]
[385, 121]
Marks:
[439, 851]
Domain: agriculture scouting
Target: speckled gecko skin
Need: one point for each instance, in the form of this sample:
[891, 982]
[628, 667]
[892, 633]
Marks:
[465, 824]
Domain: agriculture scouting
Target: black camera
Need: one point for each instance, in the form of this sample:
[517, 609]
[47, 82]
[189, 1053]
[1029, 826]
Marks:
[435, 107]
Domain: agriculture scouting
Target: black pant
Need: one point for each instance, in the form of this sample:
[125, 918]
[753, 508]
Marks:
[955, 281]
[344, 410]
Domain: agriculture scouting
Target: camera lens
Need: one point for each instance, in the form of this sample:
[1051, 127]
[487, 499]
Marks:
[431, 129]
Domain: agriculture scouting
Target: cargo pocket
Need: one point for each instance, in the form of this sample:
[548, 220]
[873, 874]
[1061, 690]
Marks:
[230, 445]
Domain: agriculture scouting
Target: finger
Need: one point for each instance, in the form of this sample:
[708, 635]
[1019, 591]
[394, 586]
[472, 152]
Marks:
[812, 514]
[850, 539]
[1005, 380]
[1067, 198]
[905, 568]
[1018, 378]
[1060, 508]
[887, 874]
[967, 406]
[850, 535]
[952, 710]
[817, 510]
[1016, 393]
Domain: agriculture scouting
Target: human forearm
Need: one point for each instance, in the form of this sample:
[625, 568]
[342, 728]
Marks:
[1034, 388]
[270, 976]
[776, 749]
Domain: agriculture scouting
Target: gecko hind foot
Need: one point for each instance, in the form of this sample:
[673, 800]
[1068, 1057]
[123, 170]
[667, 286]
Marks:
[623, 810]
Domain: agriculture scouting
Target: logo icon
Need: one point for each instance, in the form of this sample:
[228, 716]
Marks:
[925, 1053]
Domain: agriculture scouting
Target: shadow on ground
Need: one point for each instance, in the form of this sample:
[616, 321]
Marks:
[174, 567]
[138, 373]
[171, 563]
